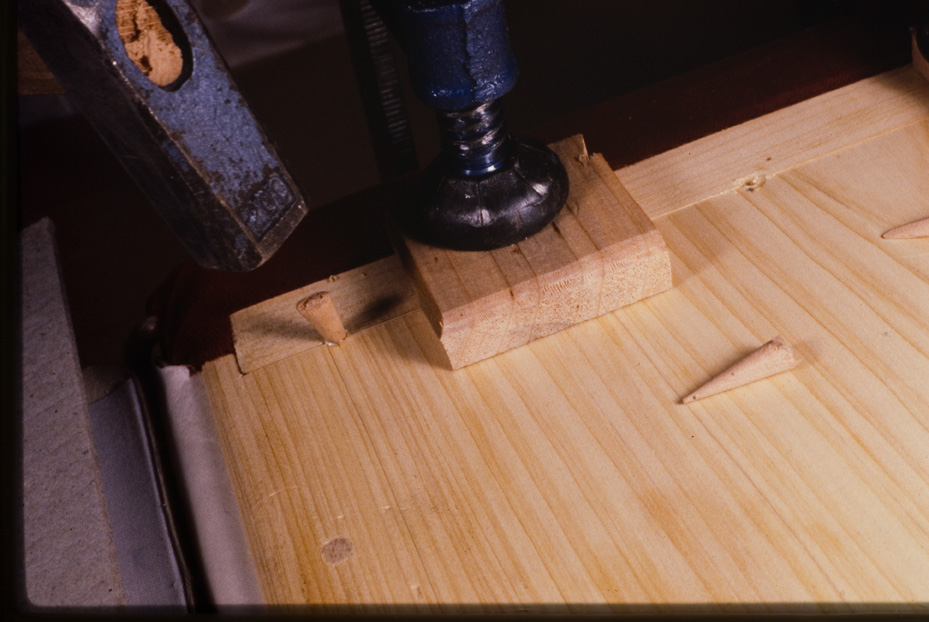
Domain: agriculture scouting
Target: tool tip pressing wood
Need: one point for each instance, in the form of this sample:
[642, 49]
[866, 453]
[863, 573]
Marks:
[774, 357]
[320, 311]
[918, 229]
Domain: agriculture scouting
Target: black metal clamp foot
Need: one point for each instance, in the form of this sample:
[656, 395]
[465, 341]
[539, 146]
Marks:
[487, 189]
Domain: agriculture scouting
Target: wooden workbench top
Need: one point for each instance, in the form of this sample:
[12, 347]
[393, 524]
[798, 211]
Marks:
[566, 475]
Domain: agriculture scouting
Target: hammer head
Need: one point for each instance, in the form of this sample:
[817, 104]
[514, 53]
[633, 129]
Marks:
[146, 75]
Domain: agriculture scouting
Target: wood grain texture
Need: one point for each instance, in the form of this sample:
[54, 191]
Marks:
[748, 154]
[274, 329]
[149, 44]
[566, 476]
[601, 253]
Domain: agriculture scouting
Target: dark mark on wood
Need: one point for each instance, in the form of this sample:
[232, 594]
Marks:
[337, 550]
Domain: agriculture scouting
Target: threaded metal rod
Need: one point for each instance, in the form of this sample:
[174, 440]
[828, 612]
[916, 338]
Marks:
[474, 141]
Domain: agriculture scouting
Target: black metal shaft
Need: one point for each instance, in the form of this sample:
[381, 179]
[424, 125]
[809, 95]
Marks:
[487, 189]
[475, 140]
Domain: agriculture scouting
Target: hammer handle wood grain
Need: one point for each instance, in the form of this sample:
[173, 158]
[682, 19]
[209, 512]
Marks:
[148, 43]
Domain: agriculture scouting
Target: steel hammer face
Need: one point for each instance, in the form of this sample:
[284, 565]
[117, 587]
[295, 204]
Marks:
[146, 75]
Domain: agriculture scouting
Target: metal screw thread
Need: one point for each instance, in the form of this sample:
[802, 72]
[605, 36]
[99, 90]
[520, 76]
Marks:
[474, 140]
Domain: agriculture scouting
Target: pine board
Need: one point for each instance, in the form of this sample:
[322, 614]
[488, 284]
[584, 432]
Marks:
[565, 475]
[274, 329]
[746, 154]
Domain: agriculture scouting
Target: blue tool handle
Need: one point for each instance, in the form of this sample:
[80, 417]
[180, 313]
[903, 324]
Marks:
[458, 51]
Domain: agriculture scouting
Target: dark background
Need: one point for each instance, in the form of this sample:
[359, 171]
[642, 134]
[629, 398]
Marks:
[582, 63]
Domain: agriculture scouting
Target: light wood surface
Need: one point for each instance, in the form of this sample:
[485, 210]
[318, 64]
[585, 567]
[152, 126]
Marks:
[566, 475]
[274, 329]
[746, 155]
[601, 253]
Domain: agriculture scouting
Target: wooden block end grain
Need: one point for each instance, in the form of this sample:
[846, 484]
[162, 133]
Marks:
[601, 253]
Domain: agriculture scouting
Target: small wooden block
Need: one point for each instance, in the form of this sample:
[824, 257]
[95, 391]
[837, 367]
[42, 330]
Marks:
[274, 329]
[601, 253]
